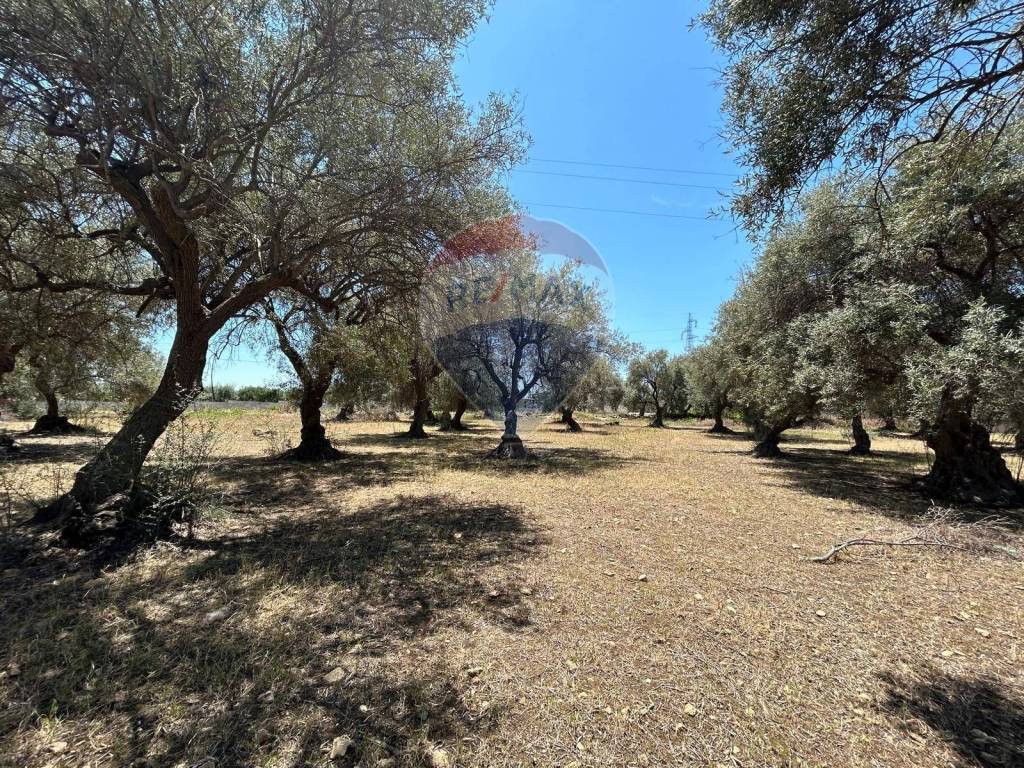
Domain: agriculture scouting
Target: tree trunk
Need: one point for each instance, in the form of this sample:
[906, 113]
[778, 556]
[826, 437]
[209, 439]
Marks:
[659, 417]
[419, 418]
[967, 467]
[890, 423]
[768, 438]
[643, 410]
[51, 422]
[421, 407]
[921, 431]
[570, 423]
[345, 412]
[861, 438]
[1018, 441]
[8, 354]
[719, 428]
[313, 443]
[460, 409]
[116, 467]
[510, 447]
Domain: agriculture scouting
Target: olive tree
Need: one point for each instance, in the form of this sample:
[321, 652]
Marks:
[599, 390]
[804, 271]
[526, 342]
[657, 379]
[74, 359]
[227, 148]
[861, 81]
[711, 379]
[955, 235]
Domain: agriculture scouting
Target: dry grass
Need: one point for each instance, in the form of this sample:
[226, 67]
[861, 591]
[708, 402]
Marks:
[635, 597]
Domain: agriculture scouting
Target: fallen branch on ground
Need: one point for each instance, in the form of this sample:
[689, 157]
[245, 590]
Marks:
[911, 541]
[944, 528]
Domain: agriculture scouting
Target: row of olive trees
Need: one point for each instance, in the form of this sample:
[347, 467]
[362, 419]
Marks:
[908, 306]
[898, 286]
[198, 163]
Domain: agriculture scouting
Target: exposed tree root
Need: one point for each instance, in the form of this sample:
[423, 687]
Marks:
[312, 451]
[766, 449]
[721, 429]
[55, 425]
[509, 448]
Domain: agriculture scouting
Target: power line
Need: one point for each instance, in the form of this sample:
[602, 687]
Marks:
[619, 210]
[614, 178]
[635, 167]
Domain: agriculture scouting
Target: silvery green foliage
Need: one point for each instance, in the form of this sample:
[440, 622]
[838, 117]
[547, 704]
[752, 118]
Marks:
[816, 81]
[710, 376]
[856, 353]
[804, 271]
[984, 366]
[659, 380]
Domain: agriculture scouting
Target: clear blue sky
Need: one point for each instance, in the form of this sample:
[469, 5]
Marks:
[619, 84]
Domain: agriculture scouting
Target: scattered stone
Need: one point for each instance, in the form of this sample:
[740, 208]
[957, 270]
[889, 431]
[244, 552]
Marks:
[982, 632]
[59, 747]
[474, 671]
[642, 577]
[385, 762]
[690, 710]
[820, 614]
[266, 697]
[439, 758]
[336, 675]
[340, 746]
[525, 591]
[217, 615]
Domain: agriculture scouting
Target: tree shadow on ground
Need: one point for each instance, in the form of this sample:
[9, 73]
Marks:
[469, 452]
[42, 448]
[269, 482]
[887, 483]
[880, 482]
[264, 647]
[979, 718]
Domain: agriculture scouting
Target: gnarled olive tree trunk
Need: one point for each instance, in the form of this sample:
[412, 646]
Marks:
[453, 422]
[313, 443]
[51, 422]
[511, 446]
[718, 414]
[967, 467]
[861, 438]
[767, 440]
[460, 410]
[422, 372]
[315, 375]
[117, 465]
[570, 423]
[659, 415]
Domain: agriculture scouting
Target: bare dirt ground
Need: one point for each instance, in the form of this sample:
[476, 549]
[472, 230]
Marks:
[635, 597]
